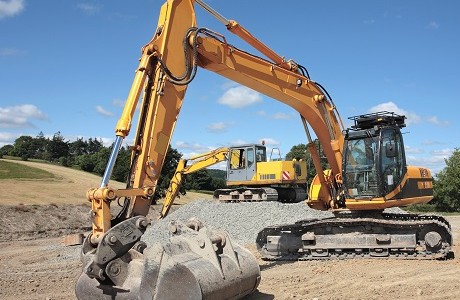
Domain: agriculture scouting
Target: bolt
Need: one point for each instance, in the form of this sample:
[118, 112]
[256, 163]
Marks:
[114, 269]
[201, 243]
[142, 223]
[112, 240]
[140, 247]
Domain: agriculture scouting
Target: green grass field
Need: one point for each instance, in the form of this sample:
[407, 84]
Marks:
[10, 170]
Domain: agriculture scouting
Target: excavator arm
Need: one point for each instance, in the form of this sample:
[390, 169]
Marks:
[162, 97]
[168, 64]
[198, 162]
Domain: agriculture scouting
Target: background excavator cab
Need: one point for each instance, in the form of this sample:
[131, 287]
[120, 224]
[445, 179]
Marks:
[242, 162]
[374, 160]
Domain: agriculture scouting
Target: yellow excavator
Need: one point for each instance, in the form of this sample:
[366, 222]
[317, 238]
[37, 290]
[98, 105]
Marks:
[250, 177]
[368, 173]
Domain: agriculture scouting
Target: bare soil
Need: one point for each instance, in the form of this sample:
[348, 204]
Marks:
[34, 263]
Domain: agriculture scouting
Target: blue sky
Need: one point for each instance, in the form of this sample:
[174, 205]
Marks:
[68, 65]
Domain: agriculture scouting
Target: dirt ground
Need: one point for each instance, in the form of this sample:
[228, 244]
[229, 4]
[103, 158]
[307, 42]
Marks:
[34, 263]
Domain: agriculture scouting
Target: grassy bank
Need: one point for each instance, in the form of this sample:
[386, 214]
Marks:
[11, 170]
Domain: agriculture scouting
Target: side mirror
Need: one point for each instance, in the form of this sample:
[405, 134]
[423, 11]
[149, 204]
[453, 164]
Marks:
[390, 150]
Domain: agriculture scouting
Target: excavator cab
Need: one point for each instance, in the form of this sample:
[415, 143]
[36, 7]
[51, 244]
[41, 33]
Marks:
[374, 161]
[242, 162]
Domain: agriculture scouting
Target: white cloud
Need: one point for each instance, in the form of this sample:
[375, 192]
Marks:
[412, 118]
[269, 141]
[444, 153]
[412, 150]
[118, 103]
[218, 127]
[282, 116]
[89, 9]
[276, 116]
[240, 96]
[102, 111]
[229, 84]
[192, 148]
[8, 138]
[432, 142]
[433, 25]
[11, 52]
[435, 161]
[20, 116]
[434, 120]
[9, 8]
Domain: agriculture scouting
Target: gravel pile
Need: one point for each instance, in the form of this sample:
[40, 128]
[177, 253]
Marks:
[242, 221]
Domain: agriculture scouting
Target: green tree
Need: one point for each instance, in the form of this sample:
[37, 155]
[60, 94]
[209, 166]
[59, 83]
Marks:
[121, 169]
[300, 151]
[216, 173]
[94, 145]
[24, 147]
[6, 150]
[199, 180]
[218, 183]
[39, 145]
[447, 185]
[78, 147]
[58, 147]
[101, 158]
[86, 162]
[169, 168]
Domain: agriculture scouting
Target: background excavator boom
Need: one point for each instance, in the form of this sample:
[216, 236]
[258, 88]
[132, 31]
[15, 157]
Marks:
[198, 162]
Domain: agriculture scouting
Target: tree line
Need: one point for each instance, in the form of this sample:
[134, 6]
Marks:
[91, 155]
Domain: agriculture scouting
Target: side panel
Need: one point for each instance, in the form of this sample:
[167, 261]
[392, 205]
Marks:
[275, 172]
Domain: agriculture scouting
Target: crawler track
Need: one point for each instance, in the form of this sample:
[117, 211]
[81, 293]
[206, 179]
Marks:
[402, 236]
[245, 194]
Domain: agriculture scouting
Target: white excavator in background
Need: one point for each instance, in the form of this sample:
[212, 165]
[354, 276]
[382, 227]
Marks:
[249, 177]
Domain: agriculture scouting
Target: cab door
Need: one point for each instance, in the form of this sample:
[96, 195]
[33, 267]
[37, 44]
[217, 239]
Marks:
[241, 164]
[392, 160]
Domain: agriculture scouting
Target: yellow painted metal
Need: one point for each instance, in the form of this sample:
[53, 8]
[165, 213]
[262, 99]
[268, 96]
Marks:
[277, 168]
[382, 203]
[124, 123]
[390, 200]
[245, 35]
[317, 197]
[199, 162]
[161, 104]
[100, 207]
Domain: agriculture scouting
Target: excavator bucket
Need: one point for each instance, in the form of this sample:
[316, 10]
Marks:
[195, 263]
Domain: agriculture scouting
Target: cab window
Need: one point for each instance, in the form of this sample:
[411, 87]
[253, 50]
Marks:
[392, 160]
